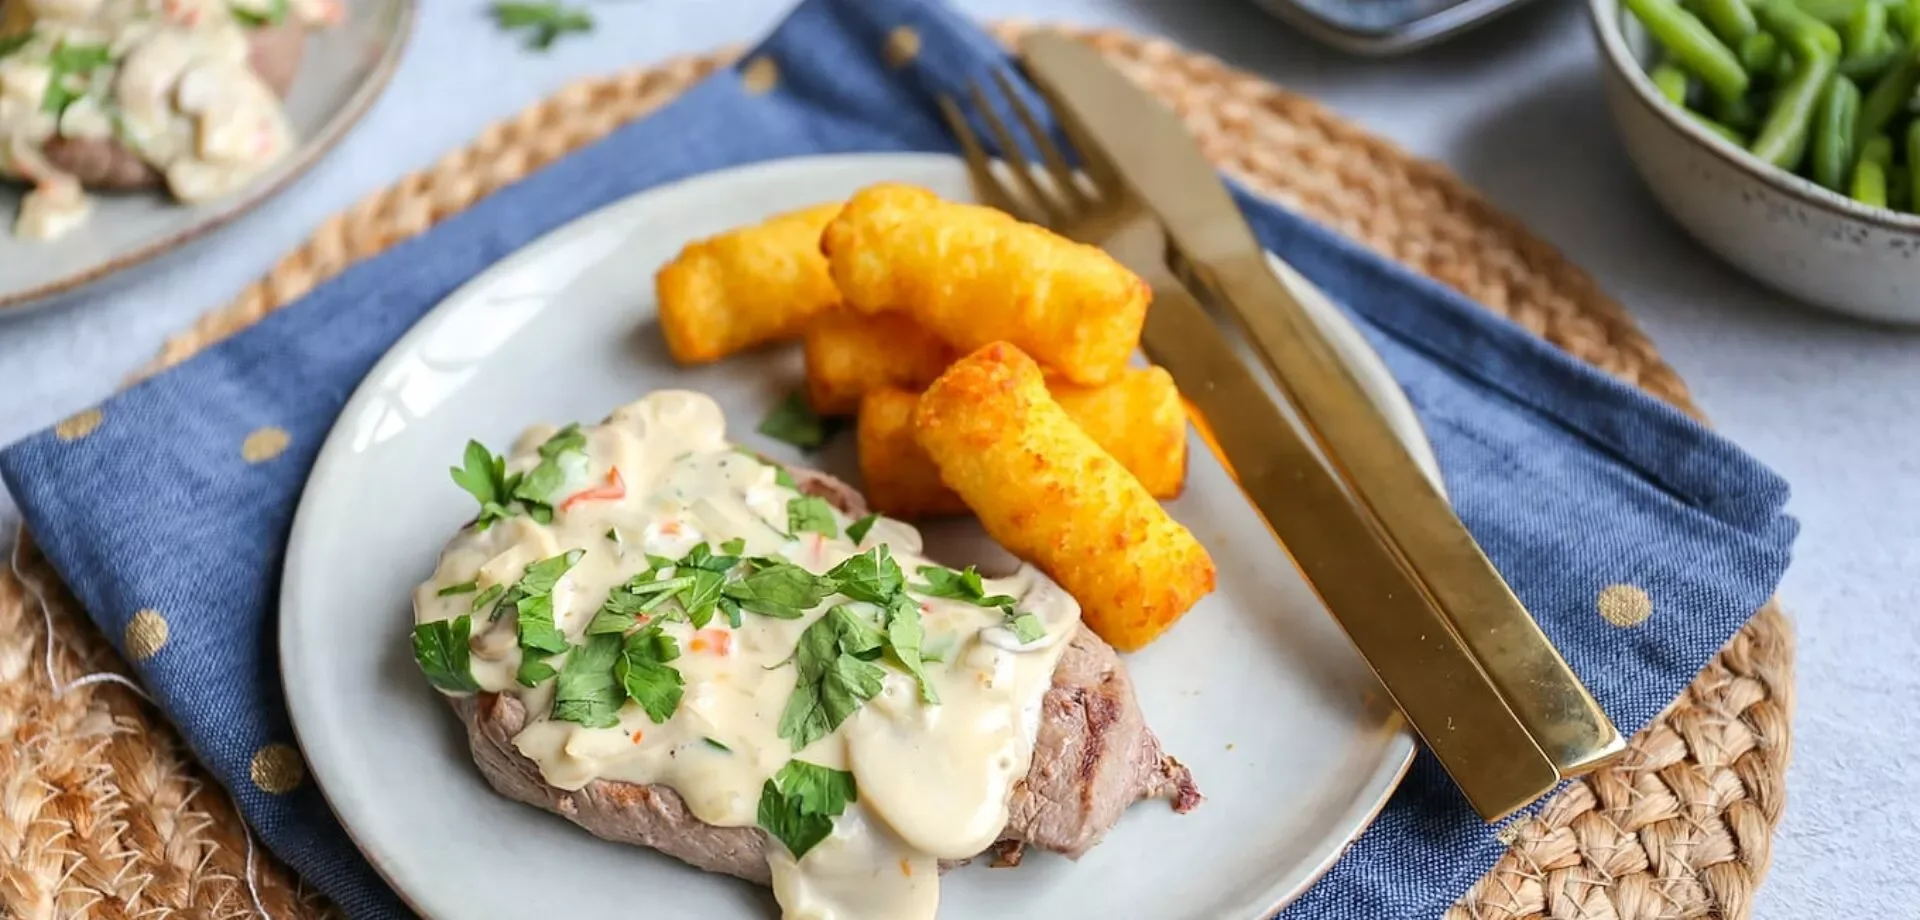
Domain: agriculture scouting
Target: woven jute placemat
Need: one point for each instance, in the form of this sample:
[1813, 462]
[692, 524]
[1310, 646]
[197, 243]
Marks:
[104, 815]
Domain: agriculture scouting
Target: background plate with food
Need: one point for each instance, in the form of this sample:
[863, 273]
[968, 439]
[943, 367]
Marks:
[1255, 689]
[116, 152]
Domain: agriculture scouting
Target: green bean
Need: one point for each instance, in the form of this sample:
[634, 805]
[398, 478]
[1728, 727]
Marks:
[1870, 174]
[1865, 30]
[1732, 20]
[1888, 96]
[1908, 16]
[1783, 139]
[1868, 68]
[1802, 34]
[1833, 133]
[1913, 166]
[1691, 44]
[1758, 52]
[1831, 12]
[1738, 114]
[1732, 137]
[1671, 81]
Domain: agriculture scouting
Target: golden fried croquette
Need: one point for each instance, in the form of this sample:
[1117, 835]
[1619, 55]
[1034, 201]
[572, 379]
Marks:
[974, 275]
[1050, 495]
[746, 287]
[849, 354]
[1138, 419]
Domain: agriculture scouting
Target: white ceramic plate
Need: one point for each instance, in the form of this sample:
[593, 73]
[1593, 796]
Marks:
[341, 74]
[1287, 732]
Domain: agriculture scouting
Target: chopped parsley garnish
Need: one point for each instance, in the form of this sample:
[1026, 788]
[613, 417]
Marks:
[536, 490]
[440, 648]
[275, 14]
[587, 692]
[488, 596]
[857, 530]
[613, 535]
[795, 422]
[967, 586]
[784, 478]
[811, 514]
[834, 658]
[465, 587]
[717, 745]
[903, 640]
[484, 476]
[872, 576]
[532, 602]
[645, 675]
[68, 61]
[542, 23]
[734, 547]
[779, 589]
[798, 805]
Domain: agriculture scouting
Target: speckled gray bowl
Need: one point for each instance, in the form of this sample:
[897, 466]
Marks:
[1783, 230]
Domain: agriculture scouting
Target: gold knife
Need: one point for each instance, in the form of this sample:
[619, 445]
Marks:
[1150, 152]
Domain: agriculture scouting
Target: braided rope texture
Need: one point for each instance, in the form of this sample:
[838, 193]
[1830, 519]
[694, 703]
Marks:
[103, 815]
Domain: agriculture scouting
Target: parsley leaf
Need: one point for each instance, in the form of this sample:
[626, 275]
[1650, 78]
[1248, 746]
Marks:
[702, 557]
[440, 648]
[961, 586]
[275, 14]
[643, 671]
[903, 638]
[587, 691]
[808, 513]
[833, 681]
[784, 478]
[734, 547]
[484, 476]
[857, 530]
[1026, 627]
[700, 597]
[795, 422]
[872, 576]
[543, 23]
[537, 489]
[779, 589]
[717, 745]
[798, 805]
[532, 600]
[68, 61]
[465, 587]
[532, 671]
[488, 596]
[607, 622]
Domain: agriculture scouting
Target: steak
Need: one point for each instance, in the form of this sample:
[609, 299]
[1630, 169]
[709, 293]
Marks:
[1093, 757]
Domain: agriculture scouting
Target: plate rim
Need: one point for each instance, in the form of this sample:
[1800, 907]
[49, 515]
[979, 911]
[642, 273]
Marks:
[45, 295]
[336, 445]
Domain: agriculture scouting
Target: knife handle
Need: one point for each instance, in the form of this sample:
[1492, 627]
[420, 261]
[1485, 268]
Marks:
[1419, 523]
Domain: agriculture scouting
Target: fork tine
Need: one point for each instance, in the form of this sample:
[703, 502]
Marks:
[1016, 158]
[978, 166]
[1057, 167]
[1106, 180]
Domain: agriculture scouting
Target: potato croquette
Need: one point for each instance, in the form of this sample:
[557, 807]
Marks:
[1050, 495]
[974, 275]
[746, 287]
[1139, 419]
[849, 354]
[897, 477]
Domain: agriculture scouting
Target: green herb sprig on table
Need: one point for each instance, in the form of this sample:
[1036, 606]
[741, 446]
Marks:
[541, 23]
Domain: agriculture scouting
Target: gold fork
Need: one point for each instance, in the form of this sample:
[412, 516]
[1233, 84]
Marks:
[1432, 675]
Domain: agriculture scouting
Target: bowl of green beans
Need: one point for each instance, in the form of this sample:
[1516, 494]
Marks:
[1784, 135]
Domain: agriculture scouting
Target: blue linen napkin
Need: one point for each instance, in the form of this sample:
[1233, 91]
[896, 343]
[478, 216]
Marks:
[1587, 494]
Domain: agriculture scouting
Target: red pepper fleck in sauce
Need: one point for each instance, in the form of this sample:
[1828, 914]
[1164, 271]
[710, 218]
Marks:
[638, 735]
[613, 488]
[718, 641]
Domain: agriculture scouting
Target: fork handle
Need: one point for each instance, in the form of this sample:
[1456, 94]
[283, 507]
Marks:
[1414, 518]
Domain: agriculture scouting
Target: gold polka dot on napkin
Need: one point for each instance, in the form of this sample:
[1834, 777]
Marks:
[78, 425]
[903, 45]
[1625, 605]
[146, 634]
[276, 768]
[264, 444]
[760, 75]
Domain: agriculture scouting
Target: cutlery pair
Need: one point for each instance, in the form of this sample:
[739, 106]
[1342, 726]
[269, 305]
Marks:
[1377, 541]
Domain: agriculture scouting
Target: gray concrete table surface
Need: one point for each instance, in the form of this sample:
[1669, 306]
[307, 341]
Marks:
[1516, 109]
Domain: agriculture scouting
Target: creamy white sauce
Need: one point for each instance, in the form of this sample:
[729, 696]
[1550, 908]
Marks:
[933, 780]
[172, 82]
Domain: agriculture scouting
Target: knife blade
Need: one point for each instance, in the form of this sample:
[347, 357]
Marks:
[1146, 148]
